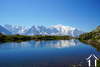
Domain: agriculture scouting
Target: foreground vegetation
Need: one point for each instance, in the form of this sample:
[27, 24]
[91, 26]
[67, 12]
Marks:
[98, 63]
[92, 38]
[19, 38]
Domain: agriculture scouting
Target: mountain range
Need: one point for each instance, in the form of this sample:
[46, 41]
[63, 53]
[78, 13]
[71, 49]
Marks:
[15, 29]
[54, 30]
[42, 30]
[4, 31]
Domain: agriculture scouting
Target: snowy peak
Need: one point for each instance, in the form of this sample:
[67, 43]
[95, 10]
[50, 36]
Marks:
[15, 29]
[54, 30]
[67, 30]
[4, 31]
[62, 28]
[42, 30]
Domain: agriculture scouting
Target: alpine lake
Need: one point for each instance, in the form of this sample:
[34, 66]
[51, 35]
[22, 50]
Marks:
[52, 53]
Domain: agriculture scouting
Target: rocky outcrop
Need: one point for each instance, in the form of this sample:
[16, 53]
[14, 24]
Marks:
[97, 29]
[93, 36]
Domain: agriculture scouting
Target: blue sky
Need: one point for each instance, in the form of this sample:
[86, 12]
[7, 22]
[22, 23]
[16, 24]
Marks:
[82, 14]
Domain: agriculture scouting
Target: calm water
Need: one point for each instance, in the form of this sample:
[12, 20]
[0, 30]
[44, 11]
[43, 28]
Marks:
[59, 53]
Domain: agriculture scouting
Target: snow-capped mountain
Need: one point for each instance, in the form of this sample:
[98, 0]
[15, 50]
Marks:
[4, 31]
[41, 30]
[32, 31]
[54, 30]
[15, 29]
[67, 30]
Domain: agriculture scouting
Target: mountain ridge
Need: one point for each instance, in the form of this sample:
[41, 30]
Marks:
[54, 30]
[92, 38]
[42, 30]
[4, 31]
[15, 29]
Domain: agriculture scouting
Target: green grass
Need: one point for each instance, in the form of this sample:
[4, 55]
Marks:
[98, 63]
[20, 38]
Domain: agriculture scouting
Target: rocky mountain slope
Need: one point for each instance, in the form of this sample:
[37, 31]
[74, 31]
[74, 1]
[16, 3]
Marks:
[93, 36]
[41, 30]
[54, 30]
[15, 29]
[4, 31]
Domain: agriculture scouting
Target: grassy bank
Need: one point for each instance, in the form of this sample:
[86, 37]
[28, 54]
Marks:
[92, 38]
[98, 63]
[20, 38]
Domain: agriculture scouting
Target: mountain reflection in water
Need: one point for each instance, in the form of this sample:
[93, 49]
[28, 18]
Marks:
[40, 44]
[57, 53]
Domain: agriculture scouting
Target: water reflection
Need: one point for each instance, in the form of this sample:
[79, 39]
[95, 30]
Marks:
[40, 44]
[55, 44]
[59, 53]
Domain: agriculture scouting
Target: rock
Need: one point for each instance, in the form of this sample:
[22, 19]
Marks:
[89, 41]
[97, 29]
[96, 36]
[73, 66]
[79, 65]
[98, 41]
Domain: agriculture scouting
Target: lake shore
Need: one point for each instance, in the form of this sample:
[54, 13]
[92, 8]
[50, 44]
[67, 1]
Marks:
[20, 38]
